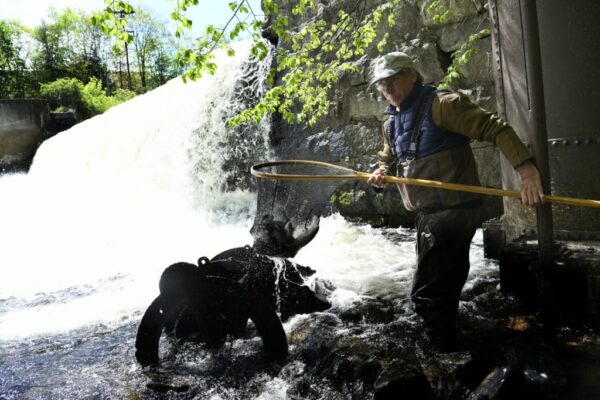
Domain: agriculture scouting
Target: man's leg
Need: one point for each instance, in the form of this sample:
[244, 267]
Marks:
[443, 243]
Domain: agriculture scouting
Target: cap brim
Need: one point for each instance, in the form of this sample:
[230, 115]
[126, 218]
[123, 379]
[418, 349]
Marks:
[386, 73]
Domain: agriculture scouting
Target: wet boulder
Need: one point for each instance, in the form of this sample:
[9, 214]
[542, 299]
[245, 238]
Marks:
[278, 236]
[283, 283]
[542, 372]
[402, 379]
[501, 383]
[206, 309]
[214, 300]
[446, 372]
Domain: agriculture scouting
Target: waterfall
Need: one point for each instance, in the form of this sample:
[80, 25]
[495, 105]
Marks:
[108, 204]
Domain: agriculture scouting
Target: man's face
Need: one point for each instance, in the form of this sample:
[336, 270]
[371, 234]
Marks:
[396, 88]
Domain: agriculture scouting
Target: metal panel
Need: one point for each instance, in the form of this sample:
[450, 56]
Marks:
[569, 46]
[513, 98]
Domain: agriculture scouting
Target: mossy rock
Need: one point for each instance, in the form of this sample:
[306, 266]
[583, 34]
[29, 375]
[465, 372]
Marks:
[363, 205]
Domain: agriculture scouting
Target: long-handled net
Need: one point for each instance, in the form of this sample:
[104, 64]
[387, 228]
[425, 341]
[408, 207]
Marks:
[316, 170]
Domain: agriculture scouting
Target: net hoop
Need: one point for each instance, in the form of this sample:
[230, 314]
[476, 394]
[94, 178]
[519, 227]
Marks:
[351, 174]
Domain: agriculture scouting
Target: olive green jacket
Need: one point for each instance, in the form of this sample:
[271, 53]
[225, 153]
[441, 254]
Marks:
[456, 113]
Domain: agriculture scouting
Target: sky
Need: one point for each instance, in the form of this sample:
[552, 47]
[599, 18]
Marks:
[31, 12]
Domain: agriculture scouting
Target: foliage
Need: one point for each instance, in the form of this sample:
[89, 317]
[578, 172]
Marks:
[153, 53]
[12, 65]
[112, 23]
[315, 58]
[86, 100]
[67, 45]
[311, 60]
[461, 57]
[64, 93]
[150, 46]
[440, 12]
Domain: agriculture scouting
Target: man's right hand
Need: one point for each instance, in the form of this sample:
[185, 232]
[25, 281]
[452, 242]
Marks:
[377, 179]
[532, 192]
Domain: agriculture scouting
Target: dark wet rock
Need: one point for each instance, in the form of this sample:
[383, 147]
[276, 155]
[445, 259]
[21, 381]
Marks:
[165, 387]
[402, 379]
[314, 337]
[501, 383]
[446, 373]
[205, 309]
[541, 369]
[213, 301]
[373, 311]
[279, 237]
[372, 349]
[279, 280]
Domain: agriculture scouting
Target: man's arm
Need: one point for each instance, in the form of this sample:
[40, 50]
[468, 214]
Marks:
[456, 113]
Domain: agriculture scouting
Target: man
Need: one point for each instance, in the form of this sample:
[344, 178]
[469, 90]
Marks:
[427, 136]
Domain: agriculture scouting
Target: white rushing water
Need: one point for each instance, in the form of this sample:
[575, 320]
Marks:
[113, 201]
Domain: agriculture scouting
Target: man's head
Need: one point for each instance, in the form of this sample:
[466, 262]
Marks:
[395, 76]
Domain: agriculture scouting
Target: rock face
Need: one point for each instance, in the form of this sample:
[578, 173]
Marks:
[351, 134]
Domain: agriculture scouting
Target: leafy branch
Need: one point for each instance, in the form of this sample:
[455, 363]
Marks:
[461, 57]
[313, 59]
[113, 23]
[439, 10]
[440, 13]
[310, 61]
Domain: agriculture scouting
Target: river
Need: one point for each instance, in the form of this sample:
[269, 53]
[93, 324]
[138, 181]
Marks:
[110, 203]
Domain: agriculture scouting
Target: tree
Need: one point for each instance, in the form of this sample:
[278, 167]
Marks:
[162, 66]
[148, 44]
[12, 65]
[68, 45]
[92, 50]
[50, 58]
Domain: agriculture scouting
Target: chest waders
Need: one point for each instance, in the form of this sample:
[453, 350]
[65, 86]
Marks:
[454, 165]
[446, 222]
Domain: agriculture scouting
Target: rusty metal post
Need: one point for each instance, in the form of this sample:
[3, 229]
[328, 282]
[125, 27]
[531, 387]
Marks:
[537, 118]
[539, 145]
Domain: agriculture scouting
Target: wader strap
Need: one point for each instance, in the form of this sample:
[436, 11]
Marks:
[416, 131]
[391, 132]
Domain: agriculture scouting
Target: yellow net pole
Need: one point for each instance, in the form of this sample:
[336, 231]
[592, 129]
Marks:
[351, 174]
